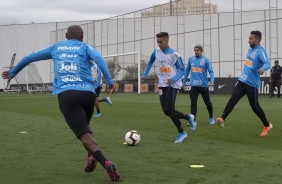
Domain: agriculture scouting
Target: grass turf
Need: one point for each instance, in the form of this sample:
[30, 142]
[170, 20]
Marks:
[49, 152]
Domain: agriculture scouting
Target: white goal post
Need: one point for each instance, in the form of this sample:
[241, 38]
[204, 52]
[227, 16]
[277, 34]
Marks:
[27, 80]
[124, 61]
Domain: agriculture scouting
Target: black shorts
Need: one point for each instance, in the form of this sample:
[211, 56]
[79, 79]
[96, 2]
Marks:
[77, 108]
[98, 91]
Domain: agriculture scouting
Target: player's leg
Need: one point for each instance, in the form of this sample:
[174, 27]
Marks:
[76, 117]
[206, 97]
[237, 94]
[77, 108]
[168, 102]
[194, 93]
[97, 104]
[278, 85]
[252, 94]
[107, 99]
[90, 143]
[272, 88]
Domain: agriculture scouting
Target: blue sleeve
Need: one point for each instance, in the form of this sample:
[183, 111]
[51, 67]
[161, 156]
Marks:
[94, 55]
[263, 57]
[210, 70]
[150, 64]
[187, 72]
[35, 56]
[180, 68]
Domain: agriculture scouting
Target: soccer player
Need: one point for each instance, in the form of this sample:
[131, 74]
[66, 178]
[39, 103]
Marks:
[248, 83]
[199, 66]
[275, 79]
[74, 87]
[98, 83]
[170, 69]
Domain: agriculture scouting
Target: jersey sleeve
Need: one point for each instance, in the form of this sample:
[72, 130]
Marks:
[210, 70]
[94, 55]
[187, 72]
[263, 58]
[42, 54]
[150, 64]
[180, 68]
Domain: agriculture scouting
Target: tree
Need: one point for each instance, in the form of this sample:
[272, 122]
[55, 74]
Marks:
[114, 68]
[132, 71]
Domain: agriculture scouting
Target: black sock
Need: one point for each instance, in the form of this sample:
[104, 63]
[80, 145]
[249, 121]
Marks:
[98, 155]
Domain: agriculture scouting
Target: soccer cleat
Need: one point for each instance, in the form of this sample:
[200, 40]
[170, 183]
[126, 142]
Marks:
[97, 115]
[191, 122]
[181, 137]
[212, 120]
[111, 170]
[108, 100]
[265, 130]
[220, 122]
[91, 164]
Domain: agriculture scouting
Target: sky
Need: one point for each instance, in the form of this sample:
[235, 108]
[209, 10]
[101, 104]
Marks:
[41, 11]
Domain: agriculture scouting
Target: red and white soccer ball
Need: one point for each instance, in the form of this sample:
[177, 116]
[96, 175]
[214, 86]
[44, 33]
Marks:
[132, 137]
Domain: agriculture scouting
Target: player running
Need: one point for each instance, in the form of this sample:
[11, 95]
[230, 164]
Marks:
[98, 83]
[170, 69]
[74, 87]
[199, 66]
[256, 64]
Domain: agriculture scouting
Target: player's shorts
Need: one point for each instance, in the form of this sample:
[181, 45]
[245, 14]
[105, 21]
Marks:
[98, 91]
[77, 108]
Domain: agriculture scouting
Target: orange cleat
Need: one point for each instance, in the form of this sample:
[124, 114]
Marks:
[265, 130]
[220, 122]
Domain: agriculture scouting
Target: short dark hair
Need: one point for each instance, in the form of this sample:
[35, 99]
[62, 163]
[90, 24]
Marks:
[199, 47]
[257, 34]
[162, 34]
[276, 61]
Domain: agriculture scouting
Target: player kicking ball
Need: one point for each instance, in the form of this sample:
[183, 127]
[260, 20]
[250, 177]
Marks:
[170, 69]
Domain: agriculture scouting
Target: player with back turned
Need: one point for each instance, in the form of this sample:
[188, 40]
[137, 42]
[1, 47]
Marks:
[248, 83]
[170, 69]
[74, 87]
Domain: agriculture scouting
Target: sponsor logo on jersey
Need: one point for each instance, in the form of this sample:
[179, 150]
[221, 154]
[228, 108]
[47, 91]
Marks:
[248, 63]
[65, 67]
[68, 48]
[68, 55]
[71, 78]
[202, 62]
[253, 55]
[165, 69]
[197, 70]
[84, 86]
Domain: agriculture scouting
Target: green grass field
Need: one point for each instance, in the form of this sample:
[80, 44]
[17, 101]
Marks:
[49, 152]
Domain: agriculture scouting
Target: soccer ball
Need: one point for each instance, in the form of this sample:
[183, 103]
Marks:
[132, 137]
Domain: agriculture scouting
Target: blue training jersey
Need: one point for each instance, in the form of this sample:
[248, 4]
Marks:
[256, 59]
[199, 67]
[96, 76]
[72, 66]
[169, 66]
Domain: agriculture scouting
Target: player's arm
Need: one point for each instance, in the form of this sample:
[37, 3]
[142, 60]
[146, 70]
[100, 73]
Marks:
[42, 54]
[266, 64]
[94, 55]
[180, 69]
[187, 72]
[149, 65]
[210, 70]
